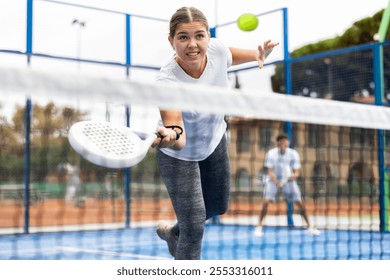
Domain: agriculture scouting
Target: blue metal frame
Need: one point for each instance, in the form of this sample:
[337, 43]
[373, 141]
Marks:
[213, 32]
[378, 91]
[128, 179]
[26, 202]
[128, 114]
[29, 29]
[128, 44]
[127, 63]
[288, 84]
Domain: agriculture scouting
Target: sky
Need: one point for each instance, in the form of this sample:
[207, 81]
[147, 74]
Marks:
[102, 37]
[309, 21]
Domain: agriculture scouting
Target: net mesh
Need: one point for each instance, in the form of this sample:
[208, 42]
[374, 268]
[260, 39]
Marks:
[56, 205]
[77, 210]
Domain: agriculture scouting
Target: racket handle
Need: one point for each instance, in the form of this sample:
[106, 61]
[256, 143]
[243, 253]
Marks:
[161, 137]
[177, 133]
[173, 128]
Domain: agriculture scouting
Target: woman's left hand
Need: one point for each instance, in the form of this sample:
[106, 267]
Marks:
[264, 50]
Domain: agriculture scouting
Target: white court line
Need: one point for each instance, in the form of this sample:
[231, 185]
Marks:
[64, 249]
[110, 253]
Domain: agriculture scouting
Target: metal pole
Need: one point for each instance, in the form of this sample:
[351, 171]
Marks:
[383, 184]
[128, 44]
[128, 179]
[287, 76]
[80, 25]
[379, 94]
[27, 122]
[29, 30]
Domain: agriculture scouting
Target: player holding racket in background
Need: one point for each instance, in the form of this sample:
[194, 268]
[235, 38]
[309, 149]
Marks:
[283, 165]
[195, 168]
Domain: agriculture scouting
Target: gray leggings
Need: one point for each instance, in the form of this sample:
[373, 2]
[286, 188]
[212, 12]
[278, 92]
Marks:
[199, 191]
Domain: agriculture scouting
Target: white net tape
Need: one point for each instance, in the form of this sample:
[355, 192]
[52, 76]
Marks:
[262, 105]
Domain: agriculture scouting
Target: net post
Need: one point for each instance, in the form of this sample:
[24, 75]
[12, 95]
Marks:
[26, 202]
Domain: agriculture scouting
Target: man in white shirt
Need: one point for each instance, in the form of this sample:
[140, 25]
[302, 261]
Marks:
[283, 166]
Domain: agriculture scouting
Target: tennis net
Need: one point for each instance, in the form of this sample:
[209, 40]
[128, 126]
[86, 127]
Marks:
[73, 209]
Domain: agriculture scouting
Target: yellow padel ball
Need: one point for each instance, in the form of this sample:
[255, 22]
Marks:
[247, 22]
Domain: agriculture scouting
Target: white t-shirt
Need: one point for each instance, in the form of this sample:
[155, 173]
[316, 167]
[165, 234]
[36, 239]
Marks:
[279, 163]
[203, 131]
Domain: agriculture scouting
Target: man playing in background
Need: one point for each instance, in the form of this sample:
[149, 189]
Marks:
[283, 166]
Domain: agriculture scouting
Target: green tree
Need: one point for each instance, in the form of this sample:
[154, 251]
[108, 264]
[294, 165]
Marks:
[8, 142]
[361, 32]
[49, 145]
[338, 76]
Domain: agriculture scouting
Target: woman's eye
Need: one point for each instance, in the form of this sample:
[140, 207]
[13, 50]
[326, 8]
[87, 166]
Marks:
[182, 38]
[200, 36]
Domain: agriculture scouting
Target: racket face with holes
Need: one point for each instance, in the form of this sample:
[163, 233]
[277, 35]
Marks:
[107, 144]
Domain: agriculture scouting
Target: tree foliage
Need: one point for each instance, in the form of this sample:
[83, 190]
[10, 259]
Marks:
[48, 140]
[341, 76]
[361, 32]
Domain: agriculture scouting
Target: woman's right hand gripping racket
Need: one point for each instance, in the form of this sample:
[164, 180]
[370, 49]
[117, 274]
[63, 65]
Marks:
[109, 145]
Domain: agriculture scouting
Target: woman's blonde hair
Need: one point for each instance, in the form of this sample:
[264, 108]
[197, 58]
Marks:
[186, 15]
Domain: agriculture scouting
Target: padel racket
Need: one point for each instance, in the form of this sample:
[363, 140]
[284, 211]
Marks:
[109, 145]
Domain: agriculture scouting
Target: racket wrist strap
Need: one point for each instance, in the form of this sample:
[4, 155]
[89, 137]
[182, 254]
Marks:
[177, 129]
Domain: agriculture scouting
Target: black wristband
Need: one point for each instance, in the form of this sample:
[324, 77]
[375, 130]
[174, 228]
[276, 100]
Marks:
[177, 133]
